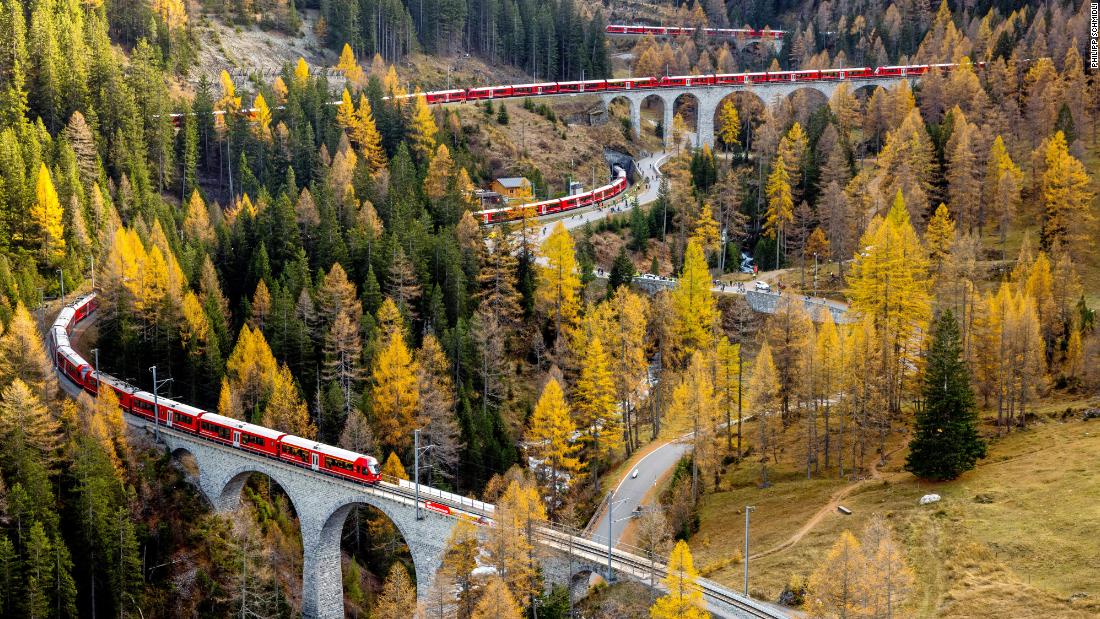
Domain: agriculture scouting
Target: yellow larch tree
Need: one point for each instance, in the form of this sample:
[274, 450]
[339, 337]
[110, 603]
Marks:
[887, 577]
[281, 90]
[496, 602]
[440, 172]
[196, 225]
[285, 410]
[392, 467]
[939, 236]
[549, 441]
[888, 283]
[511, 546]
[792, 152]
[598, 415]
[394, 394]
[345, 112]
[780, 206]
[172, 13]
[705, 232]
[195, 328]
[693, 302]
[764, 402]
[398, 599]
[47, 217]
[22, 355]
[684, 599]
[422, 128]
[729, 124]
[620, 322]
[679, 128]
[365, 134]
[827, 374]
[1003, 183]
[26, 423]
[251, 370]
[729, 387]
[262, 122]
[1065, 196]
[301, 71]
[229, 101]
[349, 66]
[460, 559]
[260, 306]
[693, 401]
[835, 588]
[559, 282]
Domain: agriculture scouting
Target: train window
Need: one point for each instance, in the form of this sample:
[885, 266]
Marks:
[339, 464]
[249, 439]
[184, 419]
[298, 452]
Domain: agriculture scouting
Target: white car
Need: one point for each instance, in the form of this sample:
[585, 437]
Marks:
[762, 286]
[634, 474]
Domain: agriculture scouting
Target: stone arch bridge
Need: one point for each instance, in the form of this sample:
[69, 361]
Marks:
[323, 502]
[708, 98]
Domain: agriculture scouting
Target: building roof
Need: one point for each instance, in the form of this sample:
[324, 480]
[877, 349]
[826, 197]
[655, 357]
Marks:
[513, 182]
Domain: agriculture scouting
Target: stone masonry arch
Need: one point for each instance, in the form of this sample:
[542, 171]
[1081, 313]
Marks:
[322, 503]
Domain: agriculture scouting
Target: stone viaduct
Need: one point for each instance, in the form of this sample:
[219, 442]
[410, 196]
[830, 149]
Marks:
[708, 98]
[323, 502]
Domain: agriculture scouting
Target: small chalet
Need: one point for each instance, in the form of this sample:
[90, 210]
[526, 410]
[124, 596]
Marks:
[512, 187]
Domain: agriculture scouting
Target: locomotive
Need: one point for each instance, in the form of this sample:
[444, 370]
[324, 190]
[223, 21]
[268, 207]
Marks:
[303, 452]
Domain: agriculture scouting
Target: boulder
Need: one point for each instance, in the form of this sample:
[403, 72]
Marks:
[929, 498]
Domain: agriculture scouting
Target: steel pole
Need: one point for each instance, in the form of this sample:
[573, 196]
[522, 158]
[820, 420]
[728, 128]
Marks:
[416, 468]
[748, 510]
[610, 524]
[156, 422]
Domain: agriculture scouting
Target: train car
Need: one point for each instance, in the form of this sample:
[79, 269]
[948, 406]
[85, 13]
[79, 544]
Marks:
[808, 75]
[349, 464]
[859, 73]
[615, 29]
[445, 96]
[756, 78]
[673, 81]
[477, 94]
[620, 84]
[84, 306]
[184, 416]
[724, 79]
[72, 365]
[240, 434]
[889, 71]
[542, 88]
[644, 82]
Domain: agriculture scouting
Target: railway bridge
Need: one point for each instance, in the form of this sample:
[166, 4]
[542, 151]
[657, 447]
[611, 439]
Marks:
[322, 503]
[708, 98]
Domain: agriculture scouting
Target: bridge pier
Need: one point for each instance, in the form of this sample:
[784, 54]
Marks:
[322, 504]
[709, 98]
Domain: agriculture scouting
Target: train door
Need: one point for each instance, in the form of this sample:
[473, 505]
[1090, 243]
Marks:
[314, 463]
[169, 417]
[236, 438]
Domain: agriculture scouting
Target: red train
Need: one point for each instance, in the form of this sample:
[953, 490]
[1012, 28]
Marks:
[557, 205]
[210, 426]
[727, 33]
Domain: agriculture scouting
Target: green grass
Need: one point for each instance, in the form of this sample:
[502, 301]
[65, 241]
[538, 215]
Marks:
[1023, 553]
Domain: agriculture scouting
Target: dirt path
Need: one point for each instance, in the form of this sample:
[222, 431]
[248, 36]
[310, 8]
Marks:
[830, 506]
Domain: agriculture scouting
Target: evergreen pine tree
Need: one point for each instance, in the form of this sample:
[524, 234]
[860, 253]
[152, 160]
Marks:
[946, 443]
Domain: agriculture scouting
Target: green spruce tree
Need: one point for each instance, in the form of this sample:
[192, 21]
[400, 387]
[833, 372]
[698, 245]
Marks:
[946, 443]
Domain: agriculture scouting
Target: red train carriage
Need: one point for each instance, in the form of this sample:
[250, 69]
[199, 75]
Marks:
[445, 96]
[333, 460]
[240, 434]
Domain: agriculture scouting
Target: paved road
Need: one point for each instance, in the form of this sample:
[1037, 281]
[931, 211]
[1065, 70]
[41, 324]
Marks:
[631, 490]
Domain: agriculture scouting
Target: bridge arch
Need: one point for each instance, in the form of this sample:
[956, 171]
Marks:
[687, 105]
[614, 105]
[321, 539]
[750, 109]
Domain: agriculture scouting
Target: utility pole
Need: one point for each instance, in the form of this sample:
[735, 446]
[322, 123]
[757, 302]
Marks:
[748, 510]
[95, 351]
[416, 468]
[156, 406]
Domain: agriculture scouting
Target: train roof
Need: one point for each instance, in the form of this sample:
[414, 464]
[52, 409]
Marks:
[72, 356]
[321, 448]
[243, 426]
[115, 383]
[64, 317]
